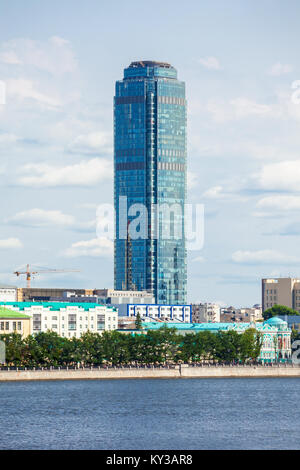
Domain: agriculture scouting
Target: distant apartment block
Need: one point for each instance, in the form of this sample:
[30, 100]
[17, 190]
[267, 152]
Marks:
[205, 313]
[281, 291]
[68, 320]
[181, 313]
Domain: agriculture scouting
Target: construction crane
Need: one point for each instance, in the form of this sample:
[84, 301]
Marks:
[28, 273]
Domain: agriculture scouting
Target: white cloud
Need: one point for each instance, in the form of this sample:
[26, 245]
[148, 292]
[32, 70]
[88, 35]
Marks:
[210, 63]
[244, 107]
[280, 69]
[88, 205]
[54, 56]
[6, 139]
[239, 108]
[26, 90]
[192, 180]
[85, 173]
[279, 202]
[214, 193]
[42, 218]
[97, 247]
[220, 193]
[10, 243]
[10, 57]
[270, 152]
[263, 257]
[199, 259]
[283, 176]
[92, 143]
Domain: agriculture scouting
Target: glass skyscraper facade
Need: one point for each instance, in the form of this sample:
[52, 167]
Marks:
[150, 170]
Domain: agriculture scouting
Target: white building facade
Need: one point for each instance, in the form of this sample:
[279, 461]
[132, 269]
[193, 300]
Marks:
[67, 319]
[8, 294]
[112, 296]
[180, 313]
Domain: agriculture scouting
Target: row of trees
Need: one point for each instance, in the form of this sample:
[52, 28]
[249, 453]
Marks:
[155, 347]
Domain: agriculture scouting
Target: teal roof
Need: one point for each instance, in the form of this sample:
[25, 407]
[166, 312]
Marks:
[55, 306]
[191, 327]
[276, 321]
[214, 327]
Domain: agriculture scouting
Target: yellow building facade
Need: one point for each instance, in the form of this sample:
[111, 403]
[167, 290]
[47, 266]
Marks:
[14, 322]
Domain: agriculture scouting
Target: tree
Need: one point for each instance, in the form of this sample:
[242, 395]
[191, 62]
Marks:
[228, 346]
[168, 342]
[295, 335]
[188, 347]
[206, 343]
[251, 343]
[51, 347]
[91, 348]
[14, 348]
[277, 310]
[138, 322]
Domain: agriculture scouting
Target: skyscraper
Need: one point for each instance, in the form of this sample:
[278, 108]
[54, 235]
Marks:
[150, 172]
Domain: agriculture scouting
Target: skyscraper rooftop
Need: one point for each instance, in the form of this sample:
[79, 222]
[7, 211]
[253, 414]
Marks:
[150, 63]
[150, 68]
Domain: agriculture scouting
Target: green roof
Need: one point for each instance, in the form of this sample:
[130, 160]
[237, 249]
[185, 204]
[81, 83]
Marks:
[6, 313]
[55, 306]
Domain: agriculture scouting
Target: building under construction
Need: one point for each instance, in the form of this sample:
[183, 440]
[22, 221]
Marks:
[32, 294]
[109, 296]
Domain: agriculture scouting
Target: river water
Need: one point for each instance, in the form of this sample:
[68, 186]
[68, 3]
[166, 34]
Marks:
[151, 414]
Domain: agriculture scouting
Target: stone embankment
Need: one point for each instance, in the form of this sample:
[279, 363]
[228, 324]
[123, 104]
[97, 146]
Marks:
[176, 372]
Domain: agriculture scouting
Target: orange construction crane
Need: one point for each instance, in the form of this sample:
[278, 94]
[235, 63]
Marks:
[30, 273]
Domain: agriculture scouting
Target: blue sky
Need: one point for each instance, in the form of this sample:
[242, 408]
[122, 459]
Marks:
[59, 61]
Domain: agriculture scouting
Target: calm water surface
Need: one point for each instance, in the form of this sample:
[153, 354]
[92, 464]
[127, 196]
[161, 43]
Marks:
[151, 414]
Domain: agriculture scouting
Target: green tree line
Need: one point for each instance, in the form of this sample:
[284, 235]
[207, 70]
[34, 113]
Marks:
[277, 310]
[112, 347]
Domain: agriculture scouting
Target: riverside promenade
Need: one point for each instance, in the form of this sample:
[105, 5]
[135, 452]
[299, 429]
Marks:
[182, 371]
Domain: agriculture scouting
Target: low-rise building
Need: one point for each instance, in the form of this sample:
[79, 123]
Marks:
[8, 293]
[126, 323]
[14, 322]
[205, 313]
[45, 294]
[247, 314]
[293, 321]
[181, 313]
[67, 319]
[100, 296]
[116, 297]
[276, 335]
